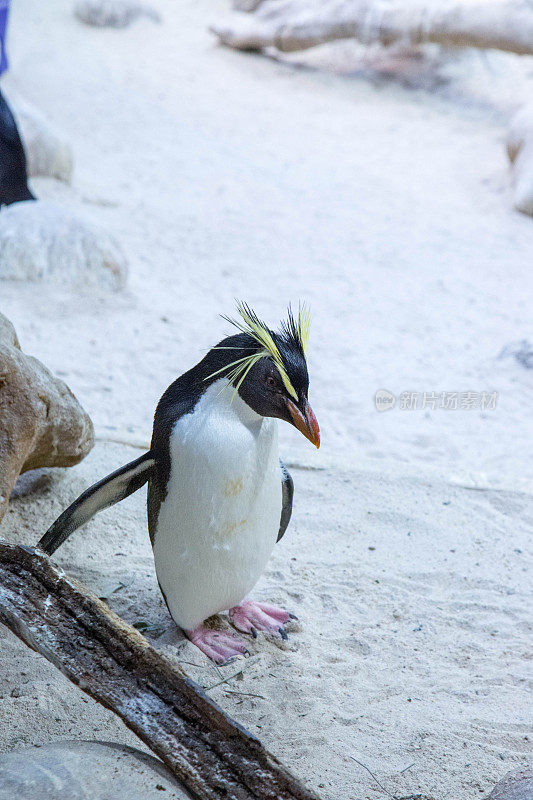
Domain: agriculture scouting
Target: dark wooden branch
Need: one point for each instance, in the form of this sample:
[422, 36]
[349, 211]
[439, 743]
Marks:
[212, 755]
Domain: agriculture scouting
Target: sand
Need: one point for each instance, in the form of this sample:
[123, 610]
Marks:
[388, 209]
[412, 651]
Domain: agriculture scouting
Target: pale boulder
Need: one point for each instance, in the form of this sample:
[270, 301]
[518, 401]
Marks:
[520, 152]
[74, 770]
[42, 241]
[47, 152]
[516, 785]
[112, 13]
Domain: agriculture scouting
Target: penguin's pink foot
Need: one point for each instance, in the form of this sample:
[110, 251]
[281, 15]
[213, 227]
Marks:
[250, 617]
[219, 646]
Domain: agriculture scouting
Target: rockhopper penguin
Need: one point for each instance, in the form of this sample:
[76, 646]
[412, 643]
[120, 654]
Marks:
[218, 496]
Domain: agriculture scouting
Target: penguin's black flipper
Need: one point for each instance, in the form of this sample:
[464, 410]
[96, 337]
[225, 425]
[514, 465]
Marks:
[287, 489]
[105, 493]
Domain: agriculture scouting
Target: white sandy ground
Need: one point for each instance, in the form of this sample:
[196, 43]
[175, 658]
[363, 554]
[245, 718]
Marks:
[413, 648]
[389, 210]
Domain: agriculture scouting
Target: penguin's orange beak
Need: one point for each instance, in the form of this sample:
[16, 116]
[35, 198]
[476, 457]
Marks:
[305, 421]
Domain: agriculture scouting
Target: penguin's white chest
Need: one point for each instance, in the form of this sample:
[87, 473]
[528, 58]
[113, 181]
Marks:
[220, 519]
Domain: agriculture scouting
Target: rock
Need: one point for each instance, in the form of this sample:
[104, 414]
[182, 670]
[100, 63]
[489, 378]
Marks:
[294, 25]
[113, 13]
[246, 5]
[516, 785]
[41, 422]
[42, 241]
[520, 152]
[47, 153]
[522, 351]
[8, 334]
[78, 770]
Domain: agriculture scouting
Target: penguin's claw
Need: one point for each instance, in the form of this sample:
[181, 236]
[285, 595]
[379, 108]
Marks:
[221, 647]
[250, 617]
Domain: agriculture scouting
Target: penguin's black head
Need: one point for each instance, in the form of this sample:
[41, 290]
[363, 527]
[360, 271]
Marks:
[269, 369]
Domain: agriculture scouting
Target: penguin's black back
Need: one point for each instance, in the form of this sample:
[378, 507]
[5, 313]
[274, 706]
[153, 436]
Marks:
[179, 399]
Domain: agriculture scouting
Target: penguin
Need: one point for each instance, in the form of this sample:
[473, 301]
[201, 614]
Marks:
[13, 169]
[219, 498]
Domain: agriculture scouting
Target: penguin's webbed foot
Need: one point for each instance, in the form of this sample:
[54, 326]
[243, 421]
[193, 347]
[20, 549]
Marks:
[250, 617]
[219, 646]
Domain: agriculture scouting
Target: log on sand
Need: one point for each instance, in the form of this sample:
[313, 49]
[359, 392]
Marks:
[206, 750]
[291, 25]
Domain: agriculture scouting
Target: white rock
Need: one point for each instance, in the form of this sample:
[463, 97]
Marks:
[74, 770]
[47, 152]
[516, 785]
[41, 241]
[520, 152]
[112, 13]
[246, 5]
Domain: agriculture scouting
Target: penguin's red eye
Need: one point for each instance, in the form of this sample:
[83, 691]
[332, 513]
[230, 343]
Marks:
[271, 382]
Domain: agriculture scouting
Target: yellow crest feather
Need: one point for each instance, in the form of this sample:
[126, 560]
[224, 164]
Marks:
[304, 325]
[254, 327]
